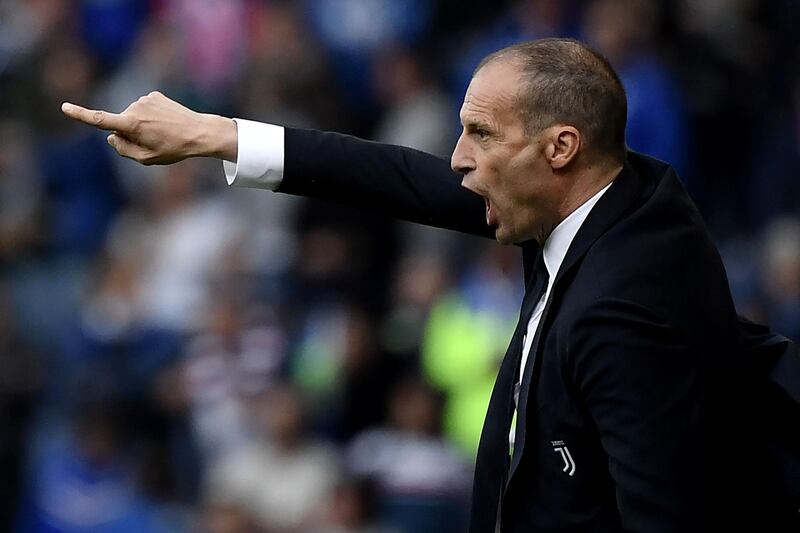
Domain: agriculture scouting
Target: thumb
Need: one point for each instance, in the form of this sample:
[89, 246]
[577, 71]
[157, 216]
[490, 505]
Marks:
[123, 146]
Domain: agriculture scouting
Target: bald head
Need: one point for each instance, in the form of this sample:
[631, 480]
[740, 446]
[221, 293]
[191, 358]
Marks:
[563, 81]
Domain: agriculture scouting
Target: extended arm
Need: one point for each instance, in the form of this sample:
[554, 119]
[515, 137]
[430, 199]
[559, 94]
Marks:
[404, 183]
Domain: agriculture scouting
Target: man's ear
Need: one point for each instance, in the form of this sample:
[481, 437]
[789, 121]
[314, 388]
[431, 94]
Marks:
[565, 141]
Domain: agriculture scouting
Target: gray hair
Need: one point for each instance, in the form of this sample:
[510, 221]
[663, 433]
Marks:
[566, 82]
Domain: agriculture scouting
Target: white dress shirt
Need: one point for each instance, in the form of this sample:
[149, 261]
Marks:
[555, 249]
[260, 163]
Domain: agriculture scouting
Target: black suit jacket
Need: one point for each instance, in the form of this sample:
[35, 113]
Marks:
[636, 409]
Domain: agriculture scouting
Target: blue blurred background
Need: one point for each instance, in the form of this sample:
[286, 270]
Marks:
[176, 355]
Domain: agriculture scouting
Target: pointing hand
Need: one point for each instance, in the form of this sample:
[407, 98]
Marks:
[155, 130]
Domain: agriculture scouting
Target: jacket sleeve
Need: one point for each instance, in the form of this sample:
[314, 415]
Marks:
[401, 182]
[643, 389]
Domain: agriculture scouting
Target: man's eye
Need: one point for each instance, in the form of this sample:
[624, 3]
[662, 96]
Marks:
[483, 134]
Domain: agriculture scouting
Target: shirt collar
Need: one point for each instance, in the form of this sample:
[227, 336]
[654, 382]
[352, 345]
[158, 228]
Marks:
[557, 244]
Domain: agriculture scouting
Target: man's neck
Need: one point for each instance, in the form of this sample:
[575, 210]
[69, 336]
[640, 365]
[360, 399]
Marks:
[584, 185]
[591, 181]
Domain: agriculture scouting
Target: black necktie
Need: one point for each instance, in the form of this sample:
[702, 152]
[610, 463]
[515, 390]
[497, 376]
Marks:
[534, 293]
[493, 459]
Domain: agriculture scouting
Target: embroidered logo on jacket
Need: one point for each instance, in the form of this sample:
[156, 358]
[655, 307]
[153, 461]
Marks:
[569, 464]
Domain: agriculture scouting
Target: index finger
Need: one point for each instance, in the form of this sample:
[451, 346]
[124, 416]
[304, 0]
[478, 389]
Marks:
[94, 117]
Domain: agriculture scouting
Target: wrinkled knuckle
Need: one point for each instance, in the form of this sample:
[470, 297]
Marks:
[154, 94]
[134, 126]
[98, 117]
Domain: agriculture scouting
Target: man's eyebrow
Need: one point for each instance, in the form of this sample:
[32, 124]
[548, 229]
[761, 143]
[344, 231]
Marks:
[475, 123]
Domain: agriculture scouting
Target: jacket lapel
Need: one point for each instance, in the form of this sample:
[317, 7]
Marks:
[612, 205]
[491, 466]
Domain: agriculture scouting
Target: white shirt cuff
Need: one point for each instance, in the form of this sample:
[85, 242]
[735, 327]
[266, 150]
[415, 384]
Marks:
[259, 162]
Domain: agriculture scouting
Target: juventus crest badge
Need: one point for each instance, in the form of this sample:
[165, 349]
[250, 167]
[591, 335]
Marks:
[569, 463]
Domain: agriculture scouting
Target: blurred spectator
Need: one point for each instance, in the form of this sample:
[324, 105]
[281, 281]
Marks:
[285, 71]
[624, 31]
[282, 477]
[21, 224]
[83, 481]
[155, 64]
[419, 281]
[523, 20]
[343, 254]
[110, 341]
[735, 60]
[188, 235]
[24, 25]
[355, 394]
[72, 204]
[110, 28]
[353, 31]
[213, 46]
[418, 115]
[423, 480]
[235, 360]
[81, 188]
[465, 337]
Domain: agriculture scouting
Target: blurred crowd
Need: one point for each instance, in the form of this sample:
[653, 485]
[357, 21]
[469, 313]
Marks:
[177, 355]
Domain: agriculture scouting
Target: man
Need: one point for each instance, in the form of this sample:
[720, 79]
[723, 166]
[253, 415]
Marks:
[621, 403]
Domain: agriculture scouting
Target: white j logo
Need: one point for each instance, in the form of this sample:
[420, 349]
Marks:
[569, 464]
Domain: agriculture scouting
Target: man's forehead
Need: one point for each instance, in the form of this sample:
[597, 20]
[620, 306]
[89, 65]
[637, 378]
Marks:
[492, 90]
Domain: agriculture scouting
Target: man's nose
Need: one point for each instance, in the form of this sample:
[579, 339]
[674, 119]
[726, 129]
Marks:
[461, 161]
